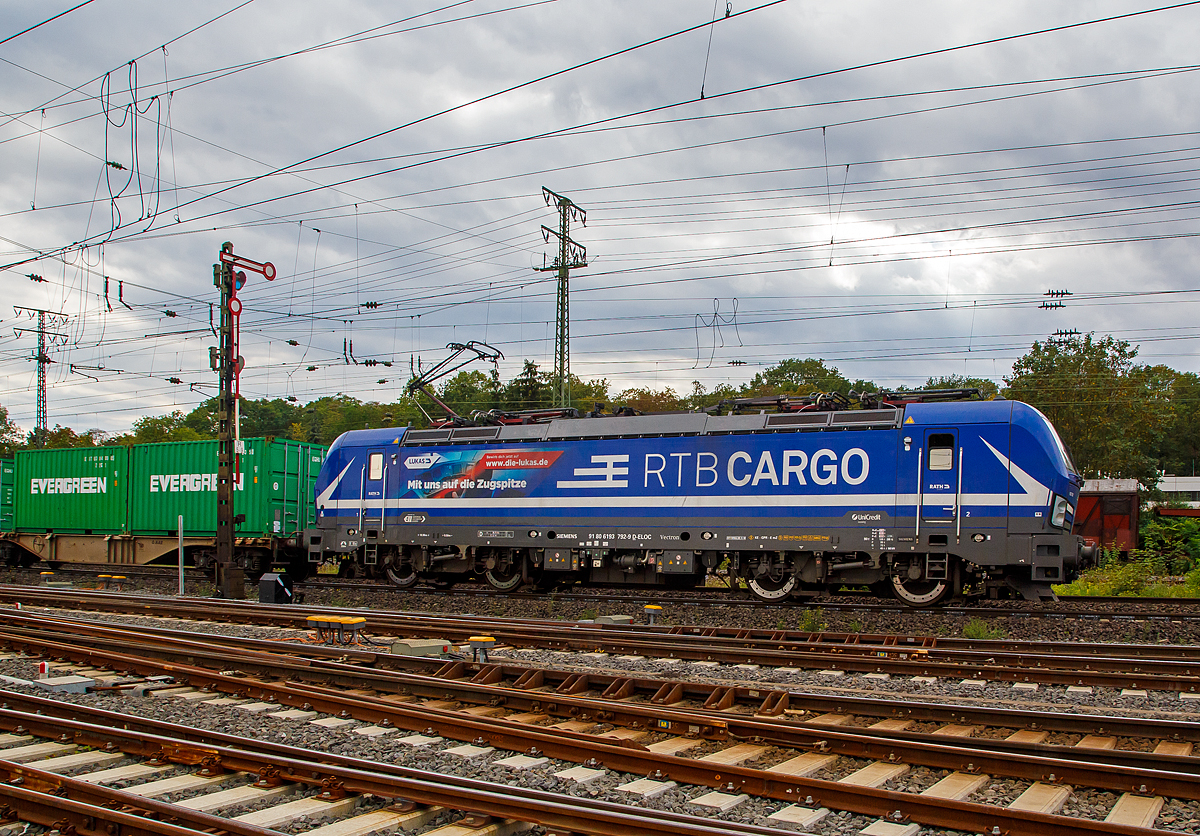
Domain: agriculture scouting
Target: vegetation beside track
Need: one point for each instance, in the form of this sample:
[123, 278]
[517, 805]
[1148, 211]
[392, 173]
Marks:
[1142, 577]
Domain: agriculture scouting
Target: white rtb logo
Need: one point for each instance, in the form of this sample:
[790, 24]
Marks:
[608, 471]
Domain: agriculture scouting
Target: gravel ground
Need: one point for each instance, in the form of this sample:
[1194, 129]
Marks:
[822, 615]
[1177, 816]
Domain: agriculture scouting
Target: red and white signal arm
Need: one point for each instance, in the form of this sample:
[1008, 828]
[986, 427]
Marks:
[235, 306]
[265, 269]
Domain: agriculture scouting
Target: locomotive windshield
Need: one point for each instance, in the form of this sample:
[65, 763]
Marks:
[1063, 452]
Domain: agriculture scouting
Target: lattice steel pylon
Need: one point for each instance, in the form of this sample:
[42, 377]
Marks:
[571, 255]
[56, 320]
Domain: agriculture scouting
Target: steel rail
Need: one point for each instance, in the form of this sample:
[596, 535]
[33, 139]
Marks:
[566, 682]
[898, 659]
[391, 783]
[336, 775]
[69, 805]
[1120, 777]
[1185, 609]
[744, 637]
[768, 699]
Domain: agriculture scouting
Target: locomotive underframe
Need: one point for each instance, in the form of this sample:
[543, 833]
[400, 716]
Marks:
[983, 562]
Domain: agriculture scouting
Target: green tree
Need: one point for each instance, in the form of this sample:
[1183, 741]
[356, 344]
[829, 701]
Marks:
[61, 437]
[986, 387]
[157, 428]
[585, 394]
[798, 377]
[469, 391]
[10, 435]
[531, 389]
[651, 400]
[1110, 411]
[1179, 452]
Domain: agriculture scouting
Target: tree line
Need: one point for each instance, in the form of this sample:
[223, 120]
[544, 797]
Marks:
[1119, 418]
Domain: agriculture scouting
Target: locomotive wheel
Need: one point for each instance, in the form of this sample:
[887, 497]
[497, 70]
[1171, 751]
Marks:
[919, 593]
[773, 586]
[504, 578]
[402, 575]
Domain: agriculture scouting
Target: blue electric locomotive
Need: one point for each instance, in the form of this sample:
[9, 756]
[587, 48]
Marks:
[919, 500]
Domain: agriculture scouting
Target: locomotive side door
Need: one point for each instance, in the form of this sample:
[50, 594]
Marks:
[372, 497]
[940, 477]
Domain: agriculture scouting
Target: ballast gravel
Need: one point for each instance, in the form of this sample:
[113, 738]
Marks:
[1179, 816]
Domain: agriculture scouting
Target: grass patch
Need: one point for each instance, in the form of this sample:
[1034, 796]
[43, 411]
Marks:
[977, 628]
[1141, 578]
[812, 621]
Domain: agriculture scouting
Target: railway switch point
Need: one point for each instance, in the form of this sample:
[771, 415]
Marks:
[480, 646]
[651, 611]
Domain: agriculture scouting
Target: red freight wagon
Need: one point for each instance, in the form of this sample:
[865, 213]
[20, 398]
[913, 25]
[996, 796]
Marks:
[1107, 514]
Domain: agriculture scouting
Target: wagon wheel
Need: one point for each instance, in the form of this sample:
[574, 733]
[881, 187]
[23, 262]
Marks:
[919, 593]
[504, 578]
[402, 575]
[775, 585]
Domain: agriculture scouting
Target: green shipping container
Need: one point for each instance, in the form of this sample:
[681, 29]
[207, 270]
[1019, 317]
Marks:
[274, 489]
[78, 490]
[8, 474]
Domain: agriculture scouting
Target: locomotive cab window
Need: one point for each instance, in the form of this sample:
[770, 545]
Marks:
[375, 466]
[941, 451]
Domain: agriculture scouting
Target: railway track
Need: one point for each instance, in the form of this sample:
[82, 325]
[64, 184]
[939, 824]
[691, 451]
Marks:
[1082, 607]
[611, 726]
[1130, 667]
[219, 772]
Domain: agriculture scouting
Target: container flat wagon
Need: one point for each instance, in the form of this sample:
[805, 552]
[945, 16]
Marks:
[1107, 516]
[121, 505]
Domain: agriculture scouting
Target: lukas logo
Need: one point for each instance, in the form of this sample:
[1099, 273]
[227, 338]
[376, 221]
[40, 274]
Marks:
[422, 462]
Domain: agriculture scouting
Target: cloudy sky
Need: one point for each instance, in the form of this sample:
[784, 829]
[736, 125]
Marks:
[892, 187]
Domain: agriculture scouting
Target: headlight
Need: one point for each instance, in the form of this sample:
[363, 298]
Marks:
[1059, 518]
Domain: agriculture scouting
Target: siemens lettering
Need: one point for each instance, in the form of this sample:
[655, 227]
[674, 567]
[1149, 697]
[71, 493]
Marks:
[822, 467]
[78, 484]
